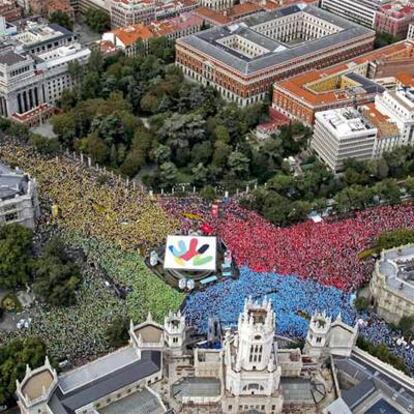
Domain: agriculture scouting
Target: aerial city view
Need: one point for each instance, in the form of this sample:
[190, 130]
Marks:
[206, 206]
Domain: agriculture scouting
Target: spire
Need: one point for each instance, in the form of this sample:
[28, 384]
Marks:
[339, 317]
[28, 370]
[149, 317]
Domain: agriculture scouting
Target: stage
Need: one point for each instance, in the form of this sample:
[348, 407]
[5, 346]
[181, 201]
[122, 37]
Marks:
[184, 275]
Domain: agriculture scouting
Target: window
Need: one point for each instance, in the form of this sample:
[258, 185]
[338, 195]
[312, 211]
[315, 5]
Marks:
[11, 217]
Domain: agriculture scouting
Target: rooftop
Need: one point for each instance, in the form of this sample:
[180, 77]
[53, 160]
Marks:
[398, 267]
[9, 57]
[210, 42]
[131, 34]
[386, 128]
[344, 121]
[97, 379]
[299, 85]
[149, 333]
[35, 385]
[12, 183]
[369, 379]
[196, 387]
[141, 402]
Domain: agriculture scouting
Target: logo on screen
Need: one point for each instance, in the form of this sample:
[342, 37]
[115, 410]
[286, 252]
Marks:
[191, 254]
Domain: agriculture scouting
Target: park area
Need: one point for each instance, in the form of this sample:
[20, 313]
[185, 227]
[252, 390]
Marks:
[302, 268]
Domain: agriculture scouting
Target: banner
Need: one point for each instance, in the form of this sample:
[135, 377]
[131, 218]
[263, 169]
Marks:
[190, 253]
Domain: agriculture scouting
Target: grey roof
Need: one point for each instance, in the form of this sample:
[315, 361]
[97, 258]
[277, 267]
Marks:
[355, 395]
[197, 387]
[382, 407]
[207, 41]
[61, 29]
[98, 368]
[141, 402]
[100, 386]
[10, 58]
[398, 278]
[296, 389]
[367, 84]
[12, 182]
[369, 378]
[302, 389]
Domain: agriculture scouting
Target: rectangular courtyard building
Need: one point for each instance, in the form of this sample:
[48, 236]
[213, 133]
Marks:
[242, 60]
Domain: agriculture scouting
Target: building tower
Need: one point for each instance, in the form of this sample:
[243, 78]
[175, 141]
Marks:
[36, 388]
[256, 331]
[175, 331]
[316, 339]
[250, 358]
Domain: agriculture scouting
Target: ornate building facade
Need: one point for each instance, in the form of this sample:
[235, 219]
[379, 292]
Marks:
[242, 60]
[163, 370]
[392, 284]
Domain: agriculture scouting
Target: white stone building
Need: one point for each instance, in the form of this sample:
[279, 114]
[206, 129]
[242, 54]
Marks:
[18, 198]
[159, 370]
[327, 337]
[340, 134]
[217, 4]
[410, 33]
[252, 374]
[164, 370]
[392, 284]
[27, 82]
[358, 11]
[399, 106]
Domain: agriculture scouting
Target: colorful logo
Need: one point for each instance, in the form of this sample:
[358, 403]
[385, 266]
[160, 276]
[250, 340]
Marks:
[192, 254]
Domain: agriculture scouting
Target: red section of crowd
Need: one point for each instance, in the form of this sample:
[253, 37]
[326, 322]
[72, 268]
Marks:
[326, 252]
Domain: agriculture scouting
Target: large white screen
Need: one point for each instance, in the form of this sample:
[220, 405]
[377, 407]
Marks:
[190, 253]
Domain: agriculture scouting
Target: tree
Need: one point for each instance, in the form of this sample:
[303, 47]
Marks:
[162, 48]
[97, 20]
[361, 304]
[220, 155]
[276, 208]
[61, 18]
[162, 154]
[65, 127]
[168, 174]
[117, 332]
[282, 184]
[238, 164]
[13, 359]
[406, 325]
[15, 255]
[201, 152]
[384, 39]
[46, 146]
[388, 190]
[222, 134]
[200, 174]
[354, 197]
[409, 186]
[57, 275]
[394, 238]
[91, 86]
[95, 147]
[208, 193]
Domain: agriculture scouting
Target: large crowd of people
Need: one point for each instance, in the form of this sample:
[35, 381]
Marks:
[294, 301]
[115, 226]
[92, 202]
[302, 268]
[326, 252]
